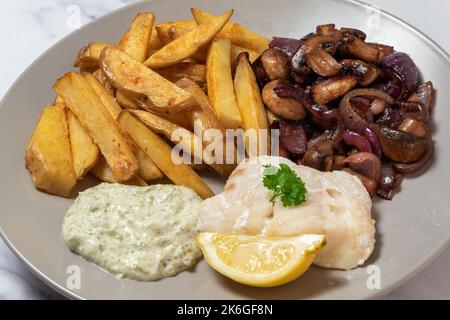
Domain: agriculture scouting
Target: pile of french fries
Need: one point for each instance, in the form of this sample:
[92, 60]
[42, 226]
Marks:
[115, 117]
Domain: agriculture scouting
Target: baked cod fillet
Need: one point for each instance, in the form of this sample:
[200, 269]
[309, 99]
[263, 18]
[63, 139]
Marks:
[337, 205]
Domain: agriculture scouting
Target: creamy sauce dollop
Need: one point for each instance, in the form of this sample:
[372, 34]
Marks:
[141, 233]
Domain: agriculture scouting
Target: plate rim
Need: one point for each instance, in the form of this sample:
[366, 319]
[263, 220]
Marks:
[421, 265]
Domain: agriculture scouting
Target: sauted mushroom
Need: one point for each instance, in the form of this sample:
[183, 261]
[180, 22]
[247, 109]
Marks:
[342, 103]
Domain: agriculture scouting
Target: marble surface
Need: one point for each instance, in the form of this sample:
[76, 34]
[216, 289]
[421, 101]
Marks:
[37, 24]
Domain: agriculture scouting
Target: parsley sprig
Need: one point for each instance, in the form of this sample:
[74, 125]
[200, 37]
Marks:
[284, 182]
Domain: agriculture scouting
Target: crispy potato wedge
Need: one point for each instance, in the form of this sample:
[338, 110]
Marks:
[172, 132]
[135, 42]
[169, 31]
[188, 43]
[81, 98]
[195, 72]
[236, 50]
[147, 87]
[147, 169]
[103, 172]
[98, 74]
[250, 104]
[220, 83]
[85, 152]
[154, 43]
[108, 100]
[205, 118]
[125, 101]
[48, 157]
[238, 34]
[89, 56]
[160, 152]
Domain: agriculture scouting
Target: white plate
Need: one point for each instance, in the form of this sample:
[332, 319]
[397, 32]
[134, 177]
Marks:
[412, 229]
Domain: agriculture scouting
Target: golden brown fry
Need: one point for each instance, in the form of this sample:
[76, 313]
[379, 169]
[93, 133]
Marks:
[220, 83]
[135, 42]
[125, 102]
[85, 152]
[205, 118]
[48, 156]
[154, 43]
[188, 43]
[195, 72]
[169, 31]
[108, 100]
[98, 74]
[160, 152]
[238, 34]
[236, 50]
[103, 172]
[139, 82]
[250, 104]
[89, 56]
[83, 101]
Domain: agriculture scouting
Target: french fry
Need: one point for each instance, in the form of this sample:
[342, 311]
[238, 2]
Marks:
[238, 34]
[160, 152]
[220, 83]
[154, 43]
[250, 104]
[126, 102]
[135, 42]
[139, 82]
[195, 72]
[58, 100]
[98, 74]
[48, 157]
[205, 118]
[103, 172]
[236, 50]
[147, 169]
[85, 152]
[89, 56]
[169, 31]
[83, 101]
[188, 43]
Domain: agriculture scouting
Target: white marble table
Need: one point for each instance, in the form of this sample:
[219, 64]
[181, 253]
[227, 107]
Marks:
[37, 24]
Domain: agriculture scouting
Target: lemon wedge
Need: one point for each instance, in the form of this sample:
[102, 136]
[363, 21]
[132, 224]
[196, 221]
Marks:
[258, 261]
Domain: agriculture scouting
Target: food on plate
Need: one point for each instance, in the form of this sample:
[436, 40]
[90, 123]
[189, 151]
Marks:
[85, 152]
[220, 83]
[352, 96]
[193, 71]
[161, 154]
[83, 101]
[140, 233]
[103, 172]
[337, 206]
[238, 34]
[187, 44]
[251, 107]
[135, 42]
[259, 261]
[149, 89]
[169, 31]
[89, 56]
[48, 157]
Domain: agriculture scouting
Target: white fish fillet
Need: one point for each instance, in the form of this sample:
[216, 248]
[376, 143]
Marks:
[337, 205]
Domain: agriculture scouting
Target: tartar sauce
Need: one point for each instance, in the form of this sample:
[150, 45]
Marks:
[141, 233]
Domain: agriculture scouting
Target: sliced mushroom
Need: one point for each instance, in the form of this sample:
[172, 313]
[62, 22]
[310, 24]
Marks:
[275, 64]
[316, 156]
[401, 146]
[369, 184]
[413, 127]
[382, 48]
[293, 137]
[424, 94]
[361, 50]
[365, 72]
[331, 89]
[345, 32]
[285, 108]
[365, 163]
[326, 29]
[322, 63]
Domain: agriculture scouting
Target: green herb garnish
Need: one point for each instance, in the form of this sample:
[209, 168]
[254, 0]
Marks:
[284, 182]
